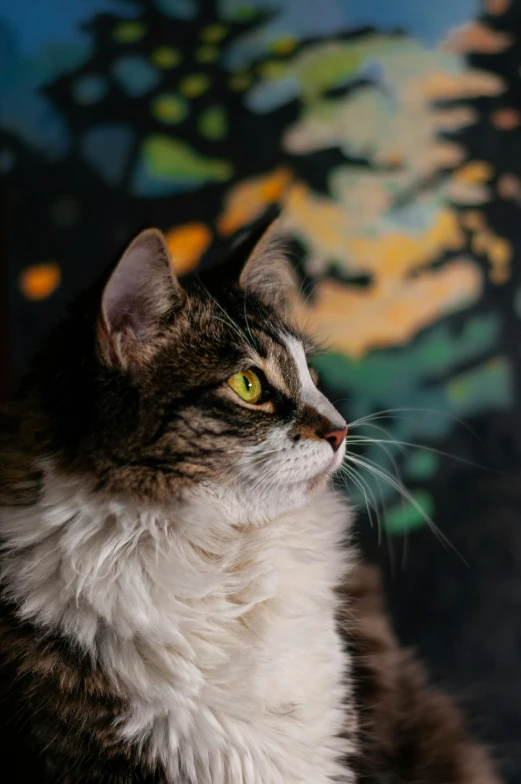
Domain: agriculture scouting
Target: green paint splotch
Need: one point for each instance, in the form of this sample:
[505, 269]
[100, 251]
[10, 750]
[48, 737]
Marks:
[413, 377]
[421, 464]
[488, 386]
[129, 32]
[168, 165]
[213, 123]
[169, 108]
[407, 515]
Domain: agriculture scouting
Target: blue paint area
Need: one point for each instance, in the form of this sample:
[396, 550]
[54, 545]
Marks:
[135, 75]
[89, 89]
[107, 148]
[178, 9]
[24, 110]
[37, 22]
[428, 22]
[39, 41]
[425, 21]
[266, 98]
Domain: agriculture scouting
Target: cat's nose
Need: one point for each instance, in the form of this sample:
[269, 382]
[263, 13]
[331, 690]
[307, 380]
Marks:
[336, 437]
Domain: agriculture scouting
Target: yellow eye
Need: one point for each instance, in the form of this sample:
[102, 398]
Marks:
[247, 385]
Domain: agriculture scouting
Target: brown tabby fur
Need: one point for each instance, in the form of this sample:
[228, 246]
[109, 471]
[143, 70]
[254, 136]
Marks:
[408, 732]
[59, 709]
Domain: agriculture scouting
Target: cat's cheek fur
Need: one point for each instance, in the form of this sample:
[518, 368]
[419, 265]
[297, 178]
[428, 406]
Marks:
[197, 617]
[278, 475]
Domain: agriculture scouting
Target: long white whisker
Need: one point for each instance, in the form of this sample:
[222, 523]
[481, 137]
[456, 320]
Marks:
[402, 490]
[423, 447]
[388, 412]
[369, 497]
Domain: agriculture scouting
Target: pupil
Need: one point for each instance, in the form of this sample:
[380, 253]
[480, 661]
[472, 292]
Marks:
[247, 383]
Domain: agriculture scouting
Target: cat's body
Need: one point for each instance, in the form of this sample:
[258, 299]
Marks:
[173, 556]
[225, 647]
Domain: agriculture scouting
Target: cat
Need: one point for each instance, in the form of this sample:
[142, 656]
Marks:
[181, 602]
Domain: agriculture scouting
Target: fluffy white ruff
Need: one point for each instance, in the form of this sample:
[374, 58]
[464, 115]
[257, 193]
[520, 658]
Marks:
[222, 634]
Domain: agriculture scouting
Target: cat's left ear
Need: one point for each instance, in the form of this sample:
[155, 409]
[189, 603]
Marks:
[139, 296]
[268, 273]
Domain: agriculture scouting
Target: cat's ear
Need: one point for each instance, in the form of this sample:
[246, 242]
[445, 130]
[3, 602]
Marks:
[139, 295]
[268, 273]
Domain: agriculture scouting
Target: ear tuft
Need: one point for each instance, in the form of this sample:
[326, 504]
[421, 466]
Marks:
[268, 273]
[139, 294]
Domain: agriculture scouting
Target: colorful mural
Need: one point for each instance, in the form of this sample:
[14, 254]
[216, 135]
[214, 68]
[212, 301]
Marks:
[387, 136]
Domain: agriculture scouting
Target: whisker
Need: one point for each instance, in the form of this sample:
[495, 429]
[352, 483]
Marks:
[414, 445]
[230, 321]
[370, 501]
[385, 476]
[388, 412]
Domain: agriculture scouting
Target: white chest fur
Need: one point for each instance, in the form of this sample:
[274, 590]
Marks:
[222, 635]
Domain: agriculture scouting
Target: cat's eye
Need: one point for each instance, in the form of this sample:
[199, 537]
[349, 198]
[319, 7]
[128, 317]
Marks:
[247, 385]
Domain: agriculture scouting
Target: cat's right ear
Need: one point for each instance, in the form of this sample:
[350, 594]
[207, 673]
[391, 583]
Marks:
[139, 296]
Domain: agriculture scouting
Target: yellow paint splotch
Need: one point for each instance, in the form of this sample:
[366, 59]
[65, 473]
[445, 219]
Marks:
[331, 234]
[405, 293]
[355, 322]
[474, 172]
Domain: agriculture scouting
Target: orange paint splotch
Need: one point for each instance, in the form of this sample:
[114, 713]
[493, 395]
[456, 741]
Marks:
[39, 281]
[497, 7]
[478, 37]
[509, 187]
[186, 244]
[506, 119]
[440, 85]
[246, 200]
[473, 220]
[497, 250]
[500, 254]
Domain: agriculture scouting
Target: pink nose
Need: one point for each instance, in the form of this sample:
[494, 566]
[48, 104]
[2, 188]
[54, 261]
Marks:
[336, 437]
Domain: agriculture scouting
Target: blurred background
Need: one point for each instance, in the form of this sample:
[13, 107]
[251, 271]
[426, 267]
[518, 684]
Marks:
[391, 132]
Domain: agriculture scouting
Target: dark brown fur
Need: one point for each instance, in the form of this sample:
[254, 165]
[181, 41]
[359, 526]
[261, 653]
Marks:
[65, 713]
[408, 731]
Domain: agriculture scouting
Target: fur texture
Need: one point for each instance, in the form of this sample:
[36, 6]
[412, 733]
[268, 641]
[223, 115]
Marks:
[172, 553]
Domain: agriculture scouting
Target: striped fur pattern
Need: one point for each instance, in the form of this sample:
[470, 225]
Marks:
[171, 554]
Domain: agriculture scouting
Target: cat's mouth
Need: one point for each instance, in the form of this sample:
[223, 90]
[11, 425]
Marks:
[335, 462]
[331, 466]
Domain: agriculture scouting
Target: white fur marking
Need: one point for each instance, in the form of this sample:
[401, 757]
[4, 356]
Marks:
[311, 396]
[222, 633]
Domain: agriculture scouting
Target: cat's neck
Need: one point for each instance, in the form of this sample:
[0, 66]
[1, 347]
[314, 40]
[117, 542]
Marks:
[77, 559]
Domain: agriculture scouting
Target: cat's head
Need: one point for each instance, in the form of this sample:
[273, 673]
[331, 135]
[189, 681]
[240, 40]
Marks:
[163, 389]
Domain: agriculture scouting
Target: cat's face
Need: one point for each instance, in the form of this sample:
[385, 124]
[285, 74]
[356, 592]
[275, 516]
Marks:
[204, 389]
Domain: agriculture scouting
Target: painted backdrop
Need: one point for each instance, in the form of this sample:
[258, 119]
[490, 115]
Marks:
[391, 130]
